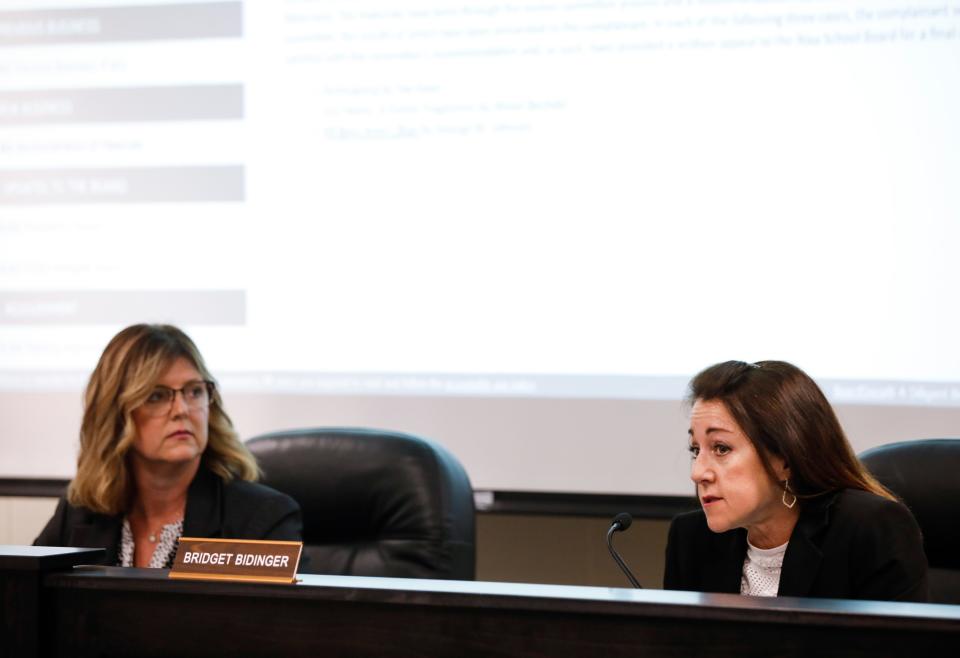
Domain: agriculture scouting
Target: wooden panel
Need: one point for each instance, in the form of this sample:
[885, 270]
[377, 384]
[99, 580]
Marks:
[19, 623]
[109, 611]
[23, 623]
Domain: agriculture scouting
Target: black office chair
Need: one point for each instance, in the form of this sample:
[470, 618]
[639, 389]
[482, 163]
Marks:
[925, 474]
[374, 503]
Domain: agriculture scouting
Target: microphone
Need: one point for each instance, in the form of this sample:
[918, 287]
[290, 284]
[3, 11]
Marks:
[620, 523]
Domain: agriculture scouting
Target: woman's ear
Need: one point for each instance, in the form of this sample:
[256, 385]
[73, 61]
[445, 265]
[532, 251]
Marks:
[781, 468]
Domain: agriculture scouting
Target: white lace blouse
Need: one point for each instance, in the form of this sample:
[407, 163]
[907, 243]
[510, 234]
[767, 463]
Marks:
[761, 570]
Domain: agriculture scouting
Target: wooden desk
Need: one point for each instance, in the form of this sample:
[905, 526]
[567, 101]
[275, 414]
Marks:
[91, 611]
[21, 574]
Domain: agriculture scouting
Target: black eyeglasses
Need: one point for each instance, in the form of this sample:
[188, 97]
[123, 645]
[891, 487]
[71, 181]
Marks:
[196, 395]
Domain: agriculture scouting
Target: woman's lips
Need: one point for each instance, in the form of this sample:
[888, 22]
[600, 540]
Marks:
[709, 500]
[180, 434]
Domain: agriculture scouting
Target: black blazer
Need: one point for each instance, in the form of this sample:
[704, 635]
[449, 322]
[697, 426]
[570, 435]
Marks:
[846, 545]
[234, 510]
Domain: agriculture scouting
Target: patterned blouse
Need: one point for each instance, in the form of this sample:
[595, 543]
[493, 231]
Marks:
[163, 554]
[761, 570]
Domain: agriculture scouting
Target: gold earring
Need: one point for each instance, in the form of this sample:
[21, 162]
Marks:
[793, 496]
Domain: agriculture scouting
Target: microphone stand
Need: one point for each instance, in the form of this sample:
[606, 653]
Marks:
[616, 527]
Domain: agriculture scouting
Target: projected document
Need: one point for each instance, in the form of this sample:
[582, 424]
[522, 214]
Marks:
[513, 198]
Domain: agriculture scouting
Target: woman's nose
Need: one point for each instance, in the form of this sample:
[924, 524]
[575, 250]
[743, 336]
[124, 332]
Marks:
[179, 403]
[699, 469]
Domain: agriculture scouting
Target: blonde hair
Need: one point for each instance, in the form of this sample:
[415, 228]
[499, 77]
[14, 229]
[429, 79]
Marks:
[127, 372]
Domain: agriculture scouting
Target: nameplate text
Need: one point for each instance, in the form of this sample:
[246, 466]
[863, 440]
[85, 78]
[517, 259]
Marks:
[237, 559]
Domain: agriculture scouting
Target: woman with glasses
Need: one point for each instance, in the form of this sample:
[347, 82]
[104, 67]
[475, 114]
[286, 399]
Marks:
[159, 459]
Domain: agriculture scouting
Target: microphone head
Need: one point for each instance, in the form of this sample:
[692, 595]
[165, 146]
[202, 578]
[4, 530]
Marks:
[623, 520]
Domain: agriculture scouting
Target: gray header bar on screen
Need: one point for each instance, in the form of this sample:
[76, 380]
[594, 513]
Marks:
[213, 20]
[111, 105]
[128, 185]
[92, 307]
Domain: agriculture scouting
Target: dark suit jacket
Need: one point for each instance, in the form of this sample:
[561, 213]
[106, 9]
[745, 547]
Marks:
[846, 545]
[234, 510]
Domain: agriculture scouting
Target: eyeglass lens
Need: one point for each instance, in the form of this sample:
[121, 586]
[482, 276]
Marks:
[196, 395]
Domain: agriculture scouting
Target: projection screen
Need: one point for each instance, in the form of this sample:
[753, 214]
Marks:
[517, 228]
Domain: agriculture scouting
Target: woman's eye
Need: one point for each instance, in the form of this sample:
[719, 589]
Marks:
[196, 391]
[694, 450]
[158, 395]
[721, 449]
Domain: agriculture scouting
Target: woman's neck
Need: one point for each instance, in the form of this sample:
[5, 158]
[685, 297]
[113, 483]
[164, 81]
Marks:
[161, 489]
[776, 530]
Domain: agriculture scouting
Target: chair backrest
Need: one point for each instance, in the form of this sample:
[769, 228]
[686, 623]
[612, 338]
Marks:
[925, 475]
[374, 503]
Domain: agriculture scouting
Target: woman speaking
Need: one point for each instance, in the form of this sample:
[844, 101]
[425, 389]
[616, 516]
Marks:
[786, 507]
[159, 459]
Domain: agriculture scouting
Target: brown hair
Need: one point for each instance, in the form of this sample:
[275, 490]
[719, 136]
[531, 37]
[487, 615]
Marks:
[127, 372]
[785, 414]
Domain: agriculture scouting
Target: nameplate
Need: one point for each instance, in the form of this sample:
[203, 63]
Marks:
[245, 560]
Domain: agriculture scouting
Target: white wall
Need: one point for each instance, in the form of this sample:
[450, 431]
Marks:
[22, 519]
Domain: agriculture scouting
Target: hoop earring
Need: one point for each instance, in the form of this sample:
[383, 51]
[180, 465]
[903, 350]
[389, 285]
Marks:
[793, 496]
